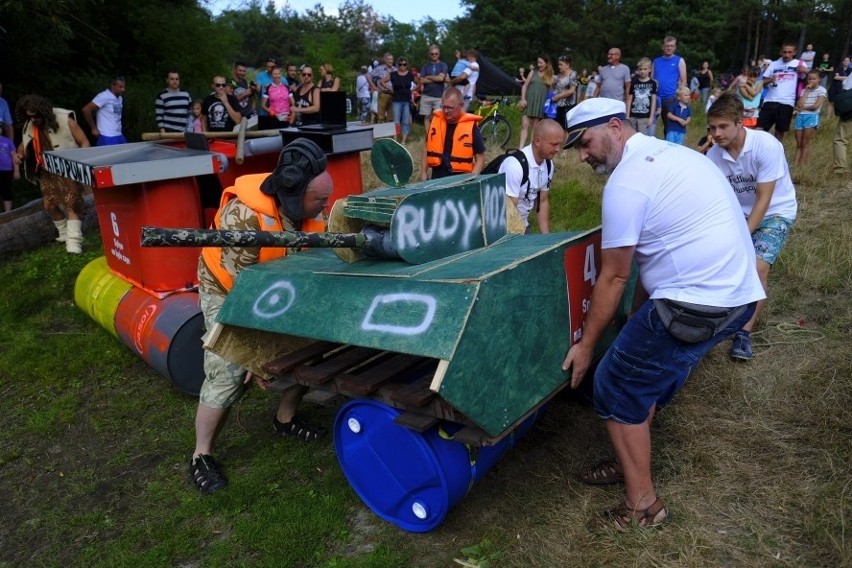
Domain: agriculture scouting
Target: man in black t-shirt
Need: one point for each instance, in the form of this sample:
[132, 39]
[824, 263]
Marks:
[220, 111]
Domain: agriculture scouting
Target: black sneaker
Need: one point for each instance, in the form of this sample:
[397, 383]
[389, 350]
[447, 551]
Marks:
[206, 475]
[297, 428]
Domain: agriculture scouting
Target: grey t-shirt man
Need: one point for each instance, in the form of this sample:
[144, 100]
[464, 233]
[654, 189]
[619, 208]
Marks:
[615, 80]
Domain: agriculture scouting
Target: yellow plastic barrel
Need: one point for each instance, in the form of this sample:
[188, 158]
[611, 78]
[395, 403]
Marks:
[97, 292]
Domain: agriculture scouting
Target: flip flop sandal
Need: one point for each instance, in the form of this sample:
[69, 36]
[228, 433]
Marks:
[605, 472]
[623, 515]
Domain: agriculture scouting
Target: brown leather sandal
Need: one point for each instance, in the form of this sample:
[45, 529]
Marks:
[605, 472]
[623, 515]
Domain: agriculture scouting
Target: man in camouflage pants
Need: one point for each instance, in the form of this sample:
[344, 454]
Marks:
[289, 198]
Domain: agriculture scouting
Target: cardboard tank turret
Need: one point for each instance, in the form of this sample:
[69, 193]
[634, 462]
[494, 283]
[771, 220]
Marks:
[444, 325]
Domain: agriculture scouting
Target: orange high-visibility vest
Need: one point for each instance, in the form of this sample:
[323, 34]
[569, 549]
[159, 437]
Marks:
[461, 152]
[247, 188]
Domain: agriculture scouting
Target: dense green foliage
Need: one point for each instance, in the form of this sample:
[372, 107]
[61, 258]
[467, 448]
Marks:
[67, 49]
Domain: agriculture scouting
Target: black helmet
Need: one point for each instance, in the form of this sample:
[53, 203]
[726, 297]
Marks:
[299, 163]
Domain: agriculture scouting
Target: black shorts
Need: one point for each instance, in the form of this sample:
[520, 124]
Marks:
[777, 114]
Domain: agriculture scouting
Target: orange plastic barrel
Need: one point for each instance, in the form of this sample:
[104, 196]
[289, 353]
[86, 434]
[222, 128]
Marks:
[166, 333]
[98, 292]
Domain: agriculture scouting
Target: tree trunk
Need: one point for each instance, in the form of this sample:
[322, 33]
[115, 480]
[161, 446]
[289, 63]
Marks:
[29, 227]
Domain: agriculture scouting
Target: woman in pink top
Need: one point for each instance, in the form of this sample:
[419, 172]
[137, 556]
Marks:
[276, 101]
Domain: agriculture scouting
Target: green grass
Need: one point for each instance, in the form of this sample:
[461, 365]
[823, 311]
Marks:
[752, 460]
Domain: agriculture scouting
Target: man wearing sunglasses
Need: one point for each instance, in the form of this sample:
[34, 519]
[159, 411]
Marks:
[220, 110]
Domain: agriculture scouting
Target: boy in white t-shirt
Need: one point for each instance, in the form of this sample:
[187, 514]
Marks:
[756, 168]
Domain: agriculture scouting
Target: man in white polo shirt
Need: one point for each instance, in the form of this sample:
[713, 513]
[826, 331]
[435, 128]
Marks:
[756, 168]
[670, 209]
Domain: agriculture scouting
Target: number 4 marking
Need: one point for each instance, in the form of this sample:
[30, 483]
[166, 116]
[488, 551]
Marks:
[590, 273]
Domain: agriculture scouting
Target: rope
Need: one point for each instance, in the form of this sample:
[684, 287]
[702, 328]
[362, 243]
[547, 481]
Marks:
[792, 334]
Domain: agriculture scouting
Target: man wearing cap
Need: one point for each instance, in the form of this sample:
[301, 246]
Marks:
[454, 144]
[671, 210]
[263, 80]
[290, 198]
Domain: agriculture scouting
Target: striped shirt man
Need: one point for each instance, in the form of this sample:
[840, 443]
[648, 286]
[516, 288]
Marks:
[173, 106]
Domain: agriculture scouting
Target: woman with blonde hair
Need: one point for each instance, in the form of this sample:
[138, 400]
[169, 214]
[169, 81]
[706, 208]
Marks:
[533, 95]
[328, 81]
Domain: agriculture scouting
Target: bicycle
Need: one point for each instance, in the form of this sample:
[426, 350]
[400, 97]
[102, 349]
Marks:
[496, 130]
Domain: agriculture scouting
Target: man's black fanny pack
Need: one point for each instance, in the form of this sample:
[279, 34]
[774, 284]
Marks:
[695, 323]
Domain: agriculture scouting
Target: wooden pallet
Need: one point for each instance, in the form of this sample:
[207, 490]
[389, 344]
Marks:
[332, 370]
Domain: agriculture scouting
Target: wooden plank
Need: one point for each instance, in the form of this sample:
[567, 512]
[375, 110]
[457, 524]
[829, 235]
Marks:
[371, 379]
[415, 395]
[325, 371]
[417, 422]
[288, 362]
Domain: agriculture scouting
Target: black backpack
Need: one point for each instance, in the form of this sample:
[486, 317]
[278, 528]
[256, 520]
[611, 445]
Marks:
[493, 166]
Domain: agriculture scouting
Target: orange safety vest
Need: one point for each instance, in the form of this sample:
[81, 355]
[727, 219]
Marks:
[247, 188]
[461, 153]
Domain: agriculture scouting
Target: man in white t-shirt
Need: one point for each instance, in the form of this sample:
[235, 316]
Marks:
[756, 168]
[108, 105]
[670, 209]
[781, 78]
[548, 137]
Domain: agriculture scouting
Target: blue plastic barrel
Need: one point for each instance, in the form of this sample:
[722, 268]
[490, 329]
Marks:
[408, 478]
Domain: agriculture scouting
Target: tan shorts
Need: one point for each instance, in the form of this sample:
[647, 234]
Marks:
[429, 104]
[223, 381]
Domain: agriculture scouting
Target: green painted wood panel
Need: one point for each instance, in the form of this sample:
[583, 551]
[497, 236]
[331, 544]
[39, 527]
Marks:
[509, 358]
[406, 316]
[493, 207]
